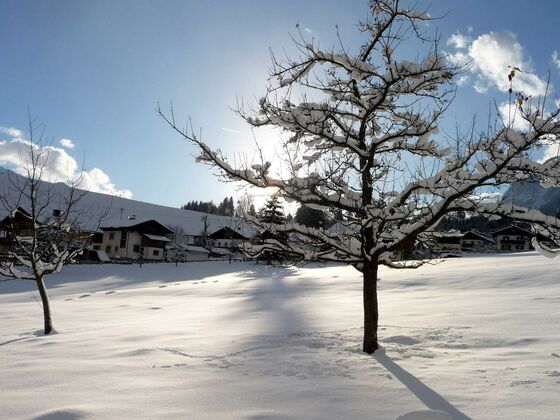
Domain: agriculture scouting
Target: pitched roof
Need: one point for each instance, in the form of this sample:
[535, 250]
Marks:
[226, 233]
[513, 230]
[473, 234]
[151, 226]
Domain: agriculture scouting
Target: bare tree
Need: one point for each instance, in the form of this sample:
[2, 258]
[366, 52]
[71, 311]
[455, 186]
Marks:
[360, 138]
[42, 220]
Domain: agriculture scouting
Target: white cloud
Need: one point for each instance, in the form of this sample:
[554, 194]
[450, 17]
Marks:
[458, 40]
[230, 130]
[556, 59]
[12, 132]
[551, 151]
[305, 28]
[59, 166]
[67, 143]
[463, 80]
[98, 181]
[512, 117]
[491, 55]
[481, 86]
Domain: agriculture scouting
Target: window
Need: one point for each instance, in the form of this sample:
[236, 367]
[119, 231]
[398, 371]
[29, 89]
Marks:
[505, 238]
[96, 247]
[155, 252]
[123, 239]
[111, 236]
[116, 248]
[108, 249]
[136, 248]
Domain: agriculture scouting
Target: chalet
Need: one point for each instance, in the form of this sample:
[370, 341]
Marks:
[434, 244]
[473, 241]
[18, 222]
[513, 238]
[226, 237]
[135, 240]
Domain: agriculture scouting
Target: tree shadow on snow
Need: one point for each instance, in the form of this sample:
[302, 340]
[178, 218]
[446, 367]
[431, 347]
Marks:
[271, 291]
[424, 393]
[27, 336]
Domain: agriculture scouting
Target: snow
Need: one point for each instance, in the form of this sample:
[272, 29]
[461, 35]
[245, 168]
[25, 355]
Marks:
[465, 338]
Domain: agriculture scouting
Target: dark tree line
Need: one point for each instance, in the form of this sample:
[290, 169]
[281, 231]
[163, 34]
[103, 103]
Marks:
[225, 208]
[463, 223]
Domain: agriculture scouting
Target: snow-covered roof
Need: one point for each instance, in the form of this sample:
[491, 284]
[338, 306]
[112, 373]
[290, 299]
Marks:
[192, 248]
[448, 234]
[220, 251]
[509, 230]
[157, 238]
[478, 235]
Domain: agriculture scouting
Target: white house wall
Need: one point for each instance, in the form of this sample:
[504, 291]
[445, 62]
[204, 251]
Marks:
[149, 253]
[113, 249]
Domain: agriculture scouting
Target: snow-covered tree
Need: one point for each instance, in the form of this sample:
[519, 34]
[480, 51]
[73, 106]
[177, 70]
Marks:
[42, 222]
[360, 135]
[272, 212]
[245, 205]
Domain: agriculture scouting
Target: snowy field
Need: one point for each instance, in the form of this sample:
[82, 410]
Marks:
[474, 337]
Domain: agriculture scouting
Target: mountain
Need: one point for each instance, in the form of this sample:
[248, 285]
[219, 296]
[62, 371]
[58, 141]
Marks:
[532, 195]
[118, 211]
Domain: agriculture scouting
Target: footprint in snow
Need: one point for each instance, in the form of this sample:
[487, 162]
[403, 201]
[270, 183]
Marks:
[155, 308]
[554, 373]
[161, 287]
[68, 299]
[110, 292]
[84, 296]
[517, 383]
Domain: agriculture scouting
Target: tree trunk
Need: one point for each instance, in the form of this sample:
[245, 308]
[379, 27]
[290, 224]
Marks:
[371, 312]
[46, 305]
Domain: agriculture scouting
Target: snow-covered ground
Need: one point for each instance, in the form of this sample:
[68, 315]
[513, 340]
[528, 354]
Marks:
[474, 337]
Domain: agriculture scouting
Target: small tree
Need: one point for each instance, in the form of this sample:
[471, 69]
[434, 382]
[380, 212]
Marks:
[245, 206]
[269, 217]
[43, 222]
[359, 138]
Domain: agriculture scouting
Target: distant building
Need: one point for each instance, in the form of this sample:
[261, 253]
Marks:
[226, 237]
[473, 241]
[18, 222]
[440, 243]
[135, 240]
[513, 238]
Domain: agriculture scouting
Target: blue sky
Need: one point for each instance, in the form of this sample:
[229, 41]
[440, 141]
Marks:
[94, 71]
